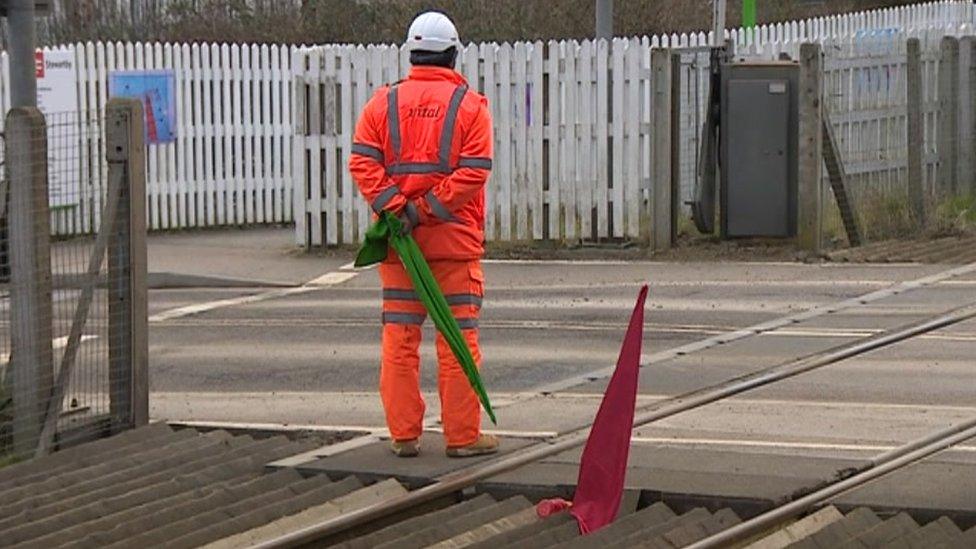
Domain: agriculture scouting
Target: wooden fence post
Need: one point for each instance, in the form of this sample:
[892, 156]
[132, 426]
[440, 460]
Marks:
[810, 165]
[948, 116]
[127, 292]
[967, 116]
[31, 312]
[662, 216]
[916, 133]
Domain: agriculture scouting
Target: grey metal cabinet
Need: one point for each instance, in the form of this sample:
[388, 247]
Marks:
[759, 149]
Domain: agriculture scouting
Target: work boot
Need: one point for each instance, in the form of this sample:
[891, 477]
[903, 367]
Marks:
[486, 444]
[405, 448]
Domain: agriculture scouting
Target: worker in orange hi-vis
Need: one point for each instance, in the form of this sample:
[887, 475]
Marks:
[423, 150]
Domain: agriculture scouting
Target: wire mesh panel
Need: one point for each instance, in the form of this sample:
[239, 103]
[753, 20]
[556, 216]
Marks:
[65, 314]
[79, 272]
[693, 87]
[905, 174]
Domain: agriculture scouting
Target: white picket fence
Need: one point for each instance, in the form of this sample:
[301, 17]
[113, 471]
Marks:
[231, 161]
[264, 131]
[585, 171]
[572, 136]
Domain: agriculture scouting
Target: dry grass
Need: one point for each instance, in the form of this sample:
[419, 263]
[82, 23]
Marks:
[887, 215]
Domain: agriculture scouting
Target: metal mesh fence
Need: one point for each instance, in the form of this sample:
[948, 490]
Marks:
[693, 85]
[64, 321]
[903, 124]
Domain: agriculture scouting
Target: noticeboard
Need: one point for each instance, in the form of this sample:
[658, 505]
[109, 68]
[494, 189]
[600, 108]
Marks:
[156, 90]
[57, 98]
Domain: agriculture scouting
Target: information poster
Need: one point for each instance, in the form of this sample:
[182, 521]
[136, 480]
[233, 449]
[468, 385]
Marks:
[156, 90]
[57, 98]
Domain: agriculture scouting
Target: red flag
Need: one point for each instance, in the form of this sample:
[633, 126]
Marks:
[600, 486]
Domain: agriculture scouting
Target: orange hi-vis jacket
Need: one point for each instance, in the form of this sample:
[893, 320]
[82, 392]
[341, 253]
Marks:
[423, 147]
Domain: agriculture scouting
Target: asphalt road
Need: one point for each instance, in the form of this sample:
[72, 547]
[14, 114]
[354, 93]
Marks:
[541, 323]
[279, 338]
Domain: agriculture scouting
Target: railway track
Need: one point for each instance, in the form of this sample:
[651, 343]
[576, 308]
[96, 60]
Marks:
[458, 481]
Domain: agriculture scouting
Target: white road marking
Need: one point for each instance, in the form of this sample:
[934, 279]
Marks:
[623, 262]
[703, 284]
[197, 308]
[559, 326]
[324, 281]
[351, 266]
[56, 343]
[802, 445]
[794, 403]
[331, 279]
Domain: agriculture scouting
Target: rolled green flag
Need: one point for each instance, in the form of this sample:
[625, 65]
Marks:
[385, 233]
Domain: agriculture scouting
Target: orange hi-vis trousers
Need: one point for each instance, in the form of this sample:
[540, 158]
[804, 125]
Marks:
[403, 315]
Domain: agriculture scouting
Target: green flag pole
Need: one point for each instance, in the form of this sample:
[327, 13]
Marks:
[748, 14]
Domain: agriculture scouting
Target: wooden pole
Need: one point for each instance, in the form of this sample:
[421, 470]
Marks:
[810, 165]
[916, 136]
[127, 293]
[948, 116]
[31, 312]
[662, 217]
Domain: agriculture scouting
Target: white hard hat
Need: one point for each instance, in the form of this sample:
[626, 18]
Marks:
[432, 31]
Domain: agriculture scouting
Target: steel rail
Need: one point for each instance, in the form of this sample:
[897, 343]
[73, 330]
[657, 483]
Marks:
[458, 480]
[882, 465]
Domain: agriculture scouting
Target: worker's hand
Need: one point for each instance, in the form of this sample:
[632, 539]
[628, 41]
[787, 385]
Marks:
[409, 218]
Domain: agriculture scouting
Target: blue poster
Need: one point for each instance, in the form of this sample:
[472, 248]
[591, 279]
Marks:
[156, 90]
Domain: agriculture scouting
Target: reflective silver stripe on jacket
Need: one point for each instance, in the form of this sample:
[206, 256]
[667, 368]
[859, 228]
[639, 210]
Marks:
[475, 162]
[393, 121]
[415, 168]
[438, 208]
[368, 150]
[384, 198]
[450, 122]
[443, 164]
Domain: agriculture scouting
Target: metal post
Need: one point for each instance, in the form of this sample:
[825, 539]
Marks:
[916, 135]
[661, 215]
[948, 116]
[30, 289]
[127, 290]
[675, 145]
[718, 23]
[810, 199]
[20, 29]
[604, 19]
